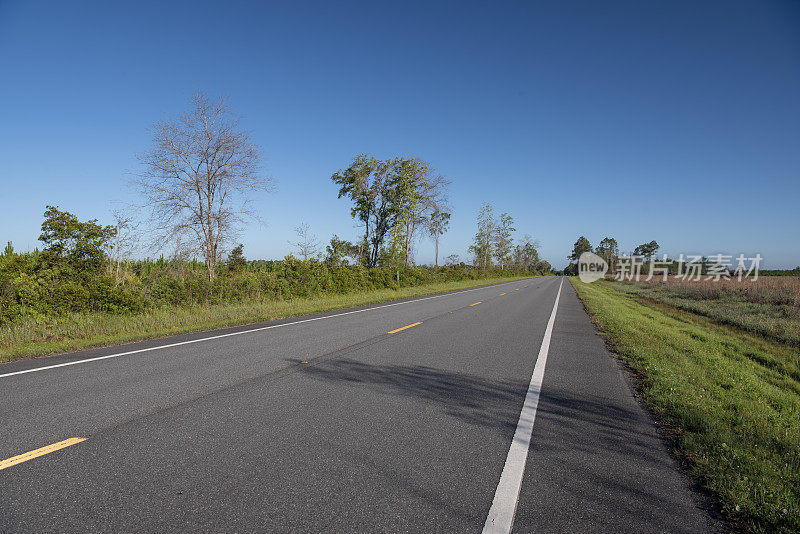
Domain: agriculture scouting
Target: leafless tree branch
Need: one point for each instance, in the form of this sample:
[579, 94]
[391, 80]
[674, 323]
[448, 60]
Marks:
[197, 179]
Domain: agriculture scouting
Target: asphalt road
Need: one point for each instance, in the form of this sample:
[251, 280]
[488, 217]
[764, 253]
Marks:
[329, 423]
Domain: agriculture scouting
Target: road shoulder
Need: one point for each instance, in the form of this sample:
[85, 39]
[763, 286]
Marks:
[597, 459]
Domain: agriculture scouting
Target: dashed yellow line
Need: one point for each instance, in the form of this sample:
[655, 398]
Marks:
[517, 289]
[30, 455]
[403, 328]
[476, 303]
[501, 294]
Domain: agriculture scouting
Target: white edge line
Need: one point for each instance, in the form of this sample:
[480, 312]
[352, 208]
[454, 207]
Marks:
[117, 355]
[504, 507]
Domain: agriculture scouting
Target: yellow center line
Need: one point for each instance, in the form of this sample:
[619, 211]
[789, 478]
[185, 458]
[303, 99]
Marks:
[476, 303]
[517, 289]
[403, 328]
[501, 294]
[30, 455]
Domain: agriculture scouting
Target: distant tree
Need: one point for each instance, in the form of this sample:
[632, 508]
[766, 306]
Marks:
[647, 250]
[581, 245]
[543, 266]
[608, 249]
[503, 242]
[307, 244]
[236, 260]
[525, 254]
[81, 244]
[437, 226]
[452, 259]
[198, 177]
[122, 244]
[482, 243]
[339, 249]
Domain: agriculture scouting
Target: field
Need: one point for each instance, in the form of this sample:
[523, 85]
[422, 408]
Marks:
[719, 366]
[75, 331]
[770, 306]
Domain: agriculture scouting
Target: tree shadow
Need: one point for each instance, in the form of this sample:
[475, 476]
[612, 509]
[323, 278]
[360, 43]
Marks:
[490, 403]
[473, 399]
[604, 442]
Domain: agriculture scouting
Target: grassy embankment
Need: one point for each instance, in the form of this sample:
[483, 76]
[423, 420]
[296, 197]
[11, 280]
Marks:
[729, 395]
[769, 307]
[85, 330]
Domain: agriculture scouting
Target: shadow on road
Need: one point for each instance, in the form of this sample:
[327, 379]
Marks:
[596, 449]
[480, 401]
[472, 399]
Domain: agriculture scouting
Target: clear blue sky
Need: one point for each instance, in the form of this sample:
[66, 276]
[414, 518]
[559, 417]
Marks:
[677, 120]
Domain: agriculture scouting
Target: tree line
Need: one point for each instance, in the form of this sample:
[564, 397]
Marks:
[197, 184]
[493, 244]
[77, 271]
[609, 250]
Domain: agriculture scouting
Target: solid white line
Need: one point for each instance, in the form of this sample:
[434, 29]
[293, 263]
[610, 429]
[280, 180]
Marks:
[117, 355]
[504, 507]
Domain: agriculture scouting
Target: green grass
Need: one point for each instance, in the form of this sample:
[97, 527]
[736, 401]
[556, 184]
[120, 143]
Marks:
[777, 321]
[81, 331]
[731, 399]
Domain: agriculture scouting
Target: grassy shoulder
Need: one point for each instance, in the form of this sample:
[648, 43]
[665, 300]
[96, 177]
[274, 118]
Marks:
[731, 398]
[81, 331]
[768, 308]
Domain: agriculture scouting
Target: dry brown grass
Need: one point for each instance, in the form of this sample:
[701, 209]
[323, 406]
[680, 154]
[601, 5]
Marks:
[773, 290]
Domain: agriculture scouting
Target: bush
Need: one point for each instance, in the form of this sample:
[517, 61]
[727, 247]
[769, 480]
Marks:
[34, 285]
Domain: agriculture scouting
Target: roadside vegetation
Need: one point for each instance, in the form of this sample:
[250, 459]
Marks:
[90, 283]
[769, 306]
[77, 292]
[723, 381]
[76, 331]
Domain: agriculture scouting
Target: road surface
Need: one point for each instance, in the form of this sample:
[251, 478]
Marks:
[493, 406]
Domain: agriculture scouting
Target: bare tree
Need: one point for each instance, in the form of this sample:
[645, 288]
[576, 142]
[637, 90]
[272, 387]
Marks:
[198, 176]
[452, 259]
[123, 242]
[307, 243]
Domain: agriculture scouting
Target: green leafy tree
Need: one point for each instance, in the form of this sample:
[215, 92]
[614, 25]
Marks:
[482, 243]
[647, 250]
[377, 191]
[438, 225]
[608, 249]
[503, 242]
[80, 244]
[236, 260]
[338, 250]
[581, 245]
[424, 192]
[525, 254]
